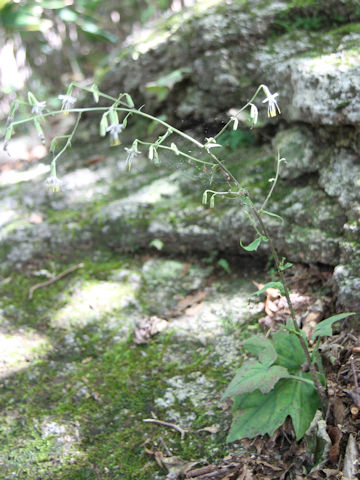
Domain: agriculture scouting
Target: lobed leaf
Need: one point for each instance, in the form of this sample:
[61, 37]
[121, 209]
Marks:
[256, 413]
[254, 375]
[289, 350]
[262, 348]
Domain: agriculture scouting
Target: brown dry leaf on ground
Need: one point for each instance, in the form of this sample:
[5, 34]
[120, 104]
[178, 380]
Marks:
[189, 301]
[302, 277]
[308, 310]
[281, 457]
[175, 466]
[147, 328]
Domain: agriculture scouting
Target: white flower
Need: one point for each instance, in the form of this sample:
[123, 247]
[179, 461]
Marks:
[131, 154]
[53, 183]
[114, 129]
[211, 143]
[273, 107]
[67, 101]
[38, 108]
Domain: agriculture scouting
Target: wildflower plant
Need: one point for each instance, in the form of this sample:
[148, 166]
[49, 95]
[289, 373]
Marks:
[286, 377]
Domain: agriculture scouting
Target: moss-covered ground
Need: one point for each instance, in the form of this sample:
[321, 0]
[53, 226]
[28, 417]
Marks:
[75, 389]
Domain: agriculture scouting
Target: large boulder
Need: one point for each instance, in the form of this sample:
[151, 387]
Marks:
[309, 54]
[194, 67]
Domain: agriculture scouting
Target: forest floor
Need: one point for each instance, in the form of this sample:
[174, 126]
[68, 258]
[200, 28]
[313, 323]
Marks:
[116, 369]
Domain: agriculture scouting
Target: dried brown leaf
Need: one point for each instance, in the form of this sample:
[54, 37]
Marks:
[194, 309]
[270, 307]
[335, 437]
[147, 328]
[339, 410]
[94, 160]
[310, 321]
[190, 300]
[201, 471]
[245, 474]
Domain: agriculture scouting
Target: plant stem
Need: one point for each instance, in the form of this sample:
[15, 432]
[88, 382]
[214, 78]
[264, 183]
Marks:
[230, 177]
[225, 127]
[70, 137]
[274, 182]
[320, 389]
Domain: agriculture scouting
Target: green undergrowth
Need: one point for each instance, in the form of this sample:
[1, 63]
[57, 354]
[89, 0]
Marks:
[99, 405]
[74, 407]
[310, 16]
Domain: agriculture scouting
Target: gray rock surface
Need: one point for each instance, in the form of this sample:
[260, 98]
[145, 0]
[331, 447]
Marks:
[216, 61]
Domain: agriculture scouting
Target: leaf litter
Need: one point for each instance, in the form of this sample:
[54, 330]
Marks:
[331, 447]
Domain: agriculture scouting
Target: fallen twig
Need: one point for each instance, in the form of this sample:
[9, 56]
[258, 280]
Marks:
[166, 424]
[52, 280]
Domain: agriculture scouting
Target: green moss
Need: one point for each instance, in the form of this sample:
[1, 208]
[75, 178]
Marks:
[108, 439]
[76, 410]
[314, 16]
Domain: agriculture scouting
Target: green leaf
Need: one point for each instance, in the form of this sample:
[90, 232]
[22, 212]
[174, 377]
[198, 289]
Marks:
[223, 263]
[94, 30]
[285, 266]
[68, 15]
[262, 348]
[246, 200]
[103, 125]
[278, 285]
[162, 86]
[160, 92]
[255, 244]
[156, 243]
[95, 92]
[255, 376]
[53, 5]
[8, 133]
[53, 145]
[324, 328]
[129, 100]
[271, 214]
[156, 157]
[25, 19]
[289, 350]
[113, 116]
[3, 3]
[39, 130]
[256, 413]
